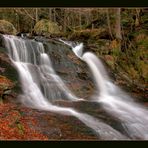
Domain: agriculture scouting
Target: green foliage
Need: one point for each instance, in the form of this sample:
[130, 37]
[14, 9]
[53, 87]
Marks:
[110, 60]
[20, 128]
[143, 70]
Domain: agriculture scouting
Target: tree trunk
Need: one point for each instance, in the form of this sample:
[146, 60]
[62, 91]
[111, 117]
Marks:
[54, 15]
[118, 24]
[137, 21]
[50, 14]
[64, 20]
[36, 15]
[80, 20]
[108, 23]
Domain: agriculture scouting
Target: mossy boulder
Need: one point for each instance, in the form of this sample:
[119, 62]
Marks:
[46, 27]
[7, 28]
[89, 34]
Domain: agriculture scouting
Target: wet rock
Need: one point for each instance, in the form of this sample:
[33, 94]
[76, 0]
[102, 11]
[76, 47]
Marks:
[6, 86]
[71, 69]
[8, 74]
[54, 132]
[7, 68]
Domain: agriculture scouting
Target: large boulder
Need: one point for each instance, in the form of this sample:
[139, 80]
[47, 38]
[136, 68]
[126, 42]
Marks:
[44, 27]
[7, 28]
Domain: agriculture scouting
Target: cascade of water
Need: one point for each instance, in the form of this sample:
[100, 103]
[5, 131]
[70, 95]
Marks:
[31, 55]
[40, 83]
[114, 100]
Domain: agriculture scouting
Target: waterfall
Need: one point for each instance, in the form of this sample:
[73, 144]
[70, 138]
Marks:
[34, 64]
[41, 85]
[116, 102]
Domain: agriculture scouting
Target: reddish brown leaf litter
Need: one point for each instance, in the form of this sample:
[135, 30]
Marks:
[22, 123]
[13, 127]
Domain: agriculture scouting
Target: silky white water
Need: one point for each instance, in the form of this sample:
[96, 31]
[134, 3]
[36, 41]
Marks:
[132, 115]
[41, 85]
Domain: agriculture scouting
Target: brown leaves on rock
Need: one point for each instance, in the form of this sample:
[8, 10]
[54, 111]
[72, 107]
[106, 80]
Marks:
[13, 126]
[22, 123]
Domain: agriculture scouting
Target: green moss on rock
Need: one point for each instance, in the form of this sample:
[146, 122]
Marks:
[7, 28]
[44, 27]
